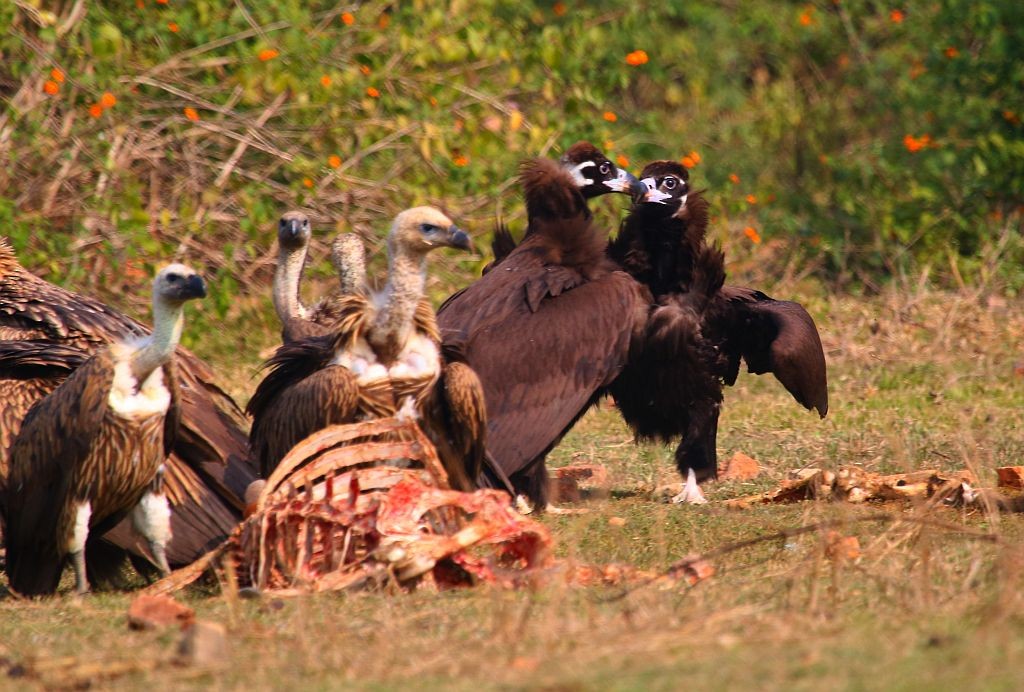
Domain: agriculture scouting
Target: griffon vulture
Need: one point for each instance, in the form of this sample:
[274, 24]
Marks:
[382, 354]
[93, 450]
[549, 326]
[208, 470]
[699, 329]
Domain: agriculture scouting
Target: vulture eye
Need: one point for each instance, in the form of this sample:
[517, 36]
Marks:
[428, 228]
[305, 224]
[174, 278]
[669, 183]
[605, 168]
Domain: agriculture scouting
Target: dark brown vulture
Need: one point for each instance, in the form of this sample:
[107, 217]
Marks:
[549, 326]
[699, 329]
[382, 356]
[46, 332]
[93, 450]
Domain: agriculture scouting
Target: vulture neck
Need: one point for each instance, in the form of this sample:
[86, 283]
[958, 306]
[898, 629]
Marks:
[350, 263]
[168, 319]
[286, 284]
[393, 324]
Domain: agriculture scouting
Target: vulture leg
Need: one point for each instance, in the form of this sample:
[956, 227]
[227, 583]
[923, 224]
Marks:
[697, 451]
[79, 538]
[151, 518]
[458, 424]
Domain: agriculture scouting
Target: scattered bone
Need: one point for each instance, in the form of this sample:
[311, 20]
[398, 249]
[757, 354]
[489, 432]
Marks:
[853, 484]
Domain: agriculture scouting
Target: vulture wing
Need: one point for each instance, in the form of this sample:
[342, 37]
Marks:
[456, 422]
[55, 437]
[780, 337]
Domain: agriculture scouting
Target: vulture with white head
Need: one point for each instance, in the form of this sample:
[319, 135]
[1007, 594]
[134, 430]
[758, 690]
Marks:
[46, 332]
[93, 450]
[381, 355]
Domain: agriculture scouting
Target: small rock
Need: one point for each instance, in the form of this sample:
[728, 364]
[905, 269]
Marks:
[1010, 476]
[149, 612]
[740, 468]
[204, 644]
[839, 547]
[569, 481]
[616, 521]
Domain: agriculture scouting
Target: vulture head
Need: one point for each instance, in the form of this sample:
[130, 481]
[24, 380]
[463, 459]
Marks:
[419, 230]
[176, 283]
[293, 230]
[596, 175]
[667, 185]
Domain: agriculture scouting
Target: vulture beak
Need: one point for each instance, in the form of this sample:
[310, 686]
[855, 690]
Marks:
[195, 287]
[652, 195]
[293, 227]
[627, 183]
[458, 238]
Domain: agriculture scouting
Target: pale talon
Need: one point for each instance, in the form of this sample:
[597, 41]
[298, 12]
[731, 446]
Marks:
[691, 493]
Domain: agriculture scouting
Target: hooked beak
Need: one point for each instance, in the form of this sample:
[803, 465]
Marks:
[652, 195]
[627, 183]
[458, 238]
[195, 287]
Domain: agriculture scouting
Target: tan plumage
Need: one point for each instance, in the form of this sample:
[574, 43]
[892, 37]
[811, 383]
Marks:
[382, 350]
[208, 470]
[93, 450]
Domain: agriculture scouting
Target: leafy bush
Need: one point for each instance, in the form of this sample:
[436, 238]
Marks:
[849, 138]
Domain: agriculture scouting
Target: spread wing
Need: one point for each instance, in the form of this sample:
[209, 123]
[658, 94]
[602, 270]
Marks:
[780, 337]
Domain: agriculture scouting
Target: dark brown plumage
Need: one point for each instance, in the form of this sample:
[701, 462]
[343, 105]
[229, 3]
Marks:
[699, 329]
[208, 470]
[381, 351]
[94, 448]
[548, 327]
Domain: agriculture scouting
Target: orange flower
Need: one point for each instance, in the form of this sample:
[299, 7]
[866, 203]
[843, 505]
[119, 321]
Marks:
[334, 161]
[1011, 117]
[609, 145]
[372, 92]
[622, 161]
[95, 110]
[365, 69]
[51, 87]
[385, 21]
[433, 102]
[951, 52]
[917, 69]
[460, 160]
[173, 27]
[688, 162]
[139, 4]
[694, 157]
[107, 100]
[751, 199]
[192, 114]
[56, 75]
[308, 182]
[559, 9]
[807, 17]
[752, 233]
[637, 57]
[896, 16]
[916, 144]
[734, 179]
[161, 2]
[610, 117]
[325, 81]
[267, 54]
[347, 19]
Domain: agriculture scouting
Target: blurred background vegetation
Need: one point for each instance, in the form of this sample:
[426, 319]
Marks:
[842, 141]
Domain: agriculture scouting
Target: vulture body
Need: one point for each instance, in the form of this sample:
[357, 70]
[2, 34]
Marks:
[208, 469]
[94, 448]
[550, 325]
[381, 355]
[699, 329]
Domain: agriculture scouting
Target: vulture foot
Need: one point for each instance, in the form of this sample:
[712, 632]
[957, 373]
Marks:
[524, 506]
[691, 493]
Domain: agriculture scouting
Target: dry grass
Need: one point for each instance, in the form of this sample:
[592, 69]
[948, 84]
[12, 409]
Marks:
[918, 380]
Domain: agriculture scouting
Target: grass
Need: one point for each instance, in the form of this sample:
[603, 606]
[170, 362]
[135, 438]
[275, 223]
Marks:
[918, 380]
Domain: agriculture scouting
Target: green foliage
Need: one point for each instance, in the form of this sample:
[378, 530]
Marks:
[852, 138]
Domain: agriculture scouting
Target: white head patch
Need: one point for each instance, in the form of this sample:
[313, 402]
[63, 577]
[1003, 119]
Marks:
[655, 195]
[577, 174]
